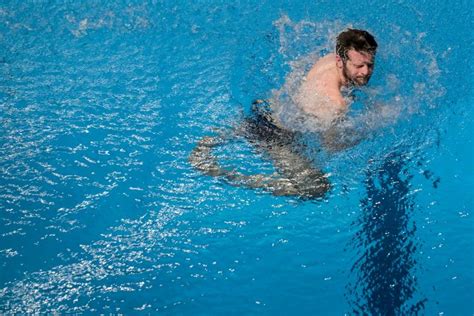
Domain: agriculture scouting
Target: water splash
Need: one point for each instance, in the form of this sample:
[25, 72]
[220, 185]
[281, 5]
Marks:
[405, 83]
[404, 92]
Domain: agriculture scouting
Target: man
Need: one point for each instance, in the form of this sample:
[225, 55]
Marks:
[319, 96]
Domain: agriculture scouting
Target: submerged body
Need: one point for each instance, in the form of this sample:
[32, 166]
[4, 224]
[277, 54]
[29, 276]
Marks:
[296, 174]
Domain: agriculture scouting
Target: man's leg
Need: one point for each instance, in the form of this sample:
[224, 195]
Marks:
[296, 174]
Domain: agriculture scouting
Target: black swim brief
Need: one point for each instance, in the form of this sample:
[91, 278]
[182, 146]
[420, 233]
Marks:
[261, 126]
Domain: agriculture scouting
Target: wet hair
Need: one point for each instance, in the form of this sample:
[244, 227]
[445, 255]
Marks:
[358, 40]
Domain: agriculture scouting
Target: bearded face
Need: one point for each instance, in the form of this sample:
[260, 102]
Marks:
[357, 68]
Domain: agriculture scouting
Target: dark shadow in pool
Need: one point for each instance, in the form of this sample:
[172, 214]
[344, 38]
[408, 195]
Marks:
[296, 174]
[385, 283]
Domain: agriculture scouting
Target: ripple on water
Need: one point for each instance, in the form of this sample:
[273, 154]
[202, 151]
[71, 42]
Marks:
[100, 203]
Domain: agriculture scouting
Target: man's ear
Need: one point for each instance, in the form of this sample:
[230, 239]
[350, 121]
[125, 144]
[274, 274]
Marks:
[339, 62]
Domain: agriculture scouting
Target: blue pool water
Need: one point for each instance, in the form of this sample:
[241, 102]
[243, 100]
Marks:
[101, 212]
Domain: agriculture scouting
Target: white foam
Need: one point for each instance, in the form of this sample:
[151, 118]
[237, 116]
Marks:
[406, 84]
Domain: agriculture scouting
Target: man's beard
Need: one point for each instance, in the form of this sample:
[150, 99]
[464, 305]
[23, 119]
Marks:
[360, 81]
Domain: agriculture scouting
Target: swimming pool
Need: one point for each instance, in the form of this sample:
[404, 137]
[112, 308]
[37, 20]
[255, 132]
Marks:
[101, 104]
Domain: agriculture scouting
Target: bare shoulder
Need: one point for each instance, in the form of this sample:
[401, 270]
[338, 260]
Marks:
[322, 67]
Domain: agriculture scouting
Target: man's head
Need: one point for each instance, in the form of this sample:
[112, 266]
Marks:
[355, 52]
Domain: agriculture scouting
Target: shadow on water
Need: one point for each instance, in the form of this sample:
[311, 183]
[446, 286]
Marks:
[384, 280]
